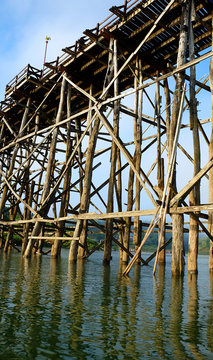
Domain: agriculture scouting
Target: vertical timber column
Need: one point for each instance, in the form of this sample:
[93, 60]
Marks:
[194, 196]
[56, 247]
[160, 173]
[13, 158]
[26, 227]
[78, 135]
[118, 185]
[14, 210]
[137, 140]
[86, 189]
[162, 257]
[125, 257]
[83, 236]
[210, 219]
[2, 164]
[2, 156]
[29, 189]
[177, 245]
[84, 206]
[51, 161]
[109, 222]
[168, 108]
[177, 237]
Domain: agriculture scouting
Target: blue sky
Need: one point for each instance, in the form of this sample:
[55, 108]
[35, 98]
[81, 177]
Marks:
[24, 25]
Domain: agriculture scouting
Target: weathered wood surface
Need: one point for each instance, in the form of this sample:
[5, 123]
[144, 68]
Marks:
[72, 164]
[194, 197]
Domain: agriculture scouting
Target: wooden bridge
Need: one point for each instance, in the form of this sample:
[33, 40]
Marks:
[96, 135]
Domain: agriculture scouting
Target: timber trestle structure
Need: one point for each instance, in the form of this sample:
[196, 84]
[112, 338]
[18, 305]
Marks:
[111, 132]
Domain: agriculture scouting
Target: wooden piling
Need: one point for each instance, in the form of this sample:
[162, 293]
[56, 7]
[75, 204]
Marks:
[13, 158]
[194, 197]
[210, 214]
[137, 140]
[177, 241]
[56, 247]
[111, 187]
[51, 159]
[177, 245]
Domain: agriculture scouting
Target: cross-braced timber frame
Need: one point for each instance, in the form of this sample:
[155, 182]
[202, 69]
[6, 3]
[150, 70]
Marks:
[94, 140]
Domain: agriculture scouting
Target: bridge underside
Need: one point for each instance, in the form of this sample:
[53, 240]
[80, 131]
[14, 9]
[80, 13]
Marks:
[114, 137]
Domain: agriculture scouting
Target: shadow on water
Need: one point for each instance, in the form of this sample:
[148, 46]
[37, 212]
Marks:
[192, 328]
[92, 312]
[176, 321]
[75, 310]
[210, 317]
[160, 344]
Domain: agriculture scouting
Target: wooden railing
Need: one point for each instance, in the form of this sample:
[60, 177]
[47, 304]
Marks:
[50, 68]
[28, 71]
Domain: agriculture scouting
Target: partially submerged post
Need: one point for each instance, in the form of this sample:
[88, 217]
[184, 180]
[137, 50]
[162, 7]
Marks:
[177, 242]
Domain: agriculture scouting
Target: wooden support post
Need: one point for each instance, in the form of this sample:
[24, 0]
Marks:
[177, 245]
[29, 190]
[13, 213]
[161, 225]
[51, 159]
[14, 158]
[127, 229]
[26, 227]
[78, 136]
[83, 249]
[56, 247]
[86, 189]
[194, 197]
[167, 108]
[88, 171]
[1, 237]
[160, 174]
[177, 240]
[89, 115]
[38, 245]
[9, 233]
[38, 190]
[110, 206]
[2, 156]
[149, 230]
[137, 140]
[119, 196]
[210, 220]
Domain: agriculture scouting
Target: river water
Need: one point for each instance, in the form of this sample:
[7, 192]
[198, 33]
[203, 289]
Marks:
[49, 310]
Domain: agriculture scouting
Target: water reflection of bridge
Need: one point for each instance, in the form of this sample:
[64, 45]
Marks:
[77, 134]
[70, 314]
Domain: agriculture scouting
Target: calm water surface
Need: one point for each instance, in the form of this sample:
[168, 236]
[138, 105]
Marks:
[49, 310]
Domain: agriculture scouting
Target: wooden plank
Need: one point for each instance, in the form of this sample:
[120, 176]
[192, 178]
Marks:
[191, 209]
[85, 216]
[64, 238]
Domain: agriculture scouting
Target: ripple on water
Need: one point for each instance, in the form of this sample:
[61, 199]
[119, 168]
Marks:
[49, 310]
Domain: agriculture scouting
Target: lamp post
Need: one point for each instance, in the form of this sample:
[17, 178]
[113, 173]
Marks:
[45, 52]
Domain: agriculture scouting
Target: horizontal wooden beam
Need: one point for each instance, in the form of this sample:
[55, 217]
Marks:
[191, 209]
[64, 238]
[114, 215]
